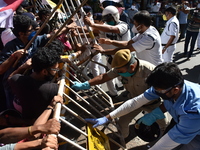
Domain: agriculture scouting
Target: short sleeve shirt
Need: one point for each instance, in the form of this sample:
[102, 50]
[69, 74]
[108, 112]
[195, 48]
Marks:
[148, 46]
[185, 111]
[135, 84]
[171, 29]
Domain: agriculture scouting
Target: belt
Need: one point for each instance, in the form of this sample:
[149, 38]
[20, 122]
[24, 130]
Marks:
[169, 45]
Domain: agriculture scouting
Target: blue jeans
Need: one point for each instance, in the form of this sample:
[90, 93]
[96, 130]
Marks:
[193, 37]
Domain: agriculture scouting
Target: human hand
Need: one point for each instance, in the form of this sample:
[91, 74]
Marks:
[50, 141]
[81, 86]
[52, 126]
[97, 122]
[88, 21]
[56, 99]
[104, 41]
[19, 53]
[98, 48]
[150, 118]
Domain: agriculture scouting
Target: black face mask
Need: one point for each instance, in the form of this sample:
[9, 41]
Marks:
[164, 96]
[49, 77]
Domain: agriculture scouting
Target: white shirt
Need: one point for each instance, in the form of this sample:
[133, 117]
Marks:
[124, 35]
[148, 46]
[171, 28]
[155, 8]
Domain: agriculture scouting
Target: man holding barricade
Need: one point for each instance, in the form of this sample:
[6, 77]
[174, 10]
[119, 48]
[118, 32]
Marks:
[181, 100]
[146, 44]
[133, 72]
[113, 28]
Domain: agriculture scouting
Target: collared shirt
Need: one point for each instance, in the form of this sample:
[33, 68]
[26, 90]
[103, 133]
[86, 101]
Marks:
[171, 29]
[124, 34]
[135, 84]
[185, 111]
[148, 46]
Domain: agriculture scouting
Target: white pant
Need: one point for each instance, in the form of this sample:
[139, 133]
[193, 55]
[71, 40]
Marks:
[168, 54]
[198, 41]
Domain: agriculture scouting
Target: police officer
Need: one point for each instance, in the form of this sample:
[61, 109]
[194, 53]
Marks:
[146, 44]
[133, 72]
[113, 28]
[169, 36]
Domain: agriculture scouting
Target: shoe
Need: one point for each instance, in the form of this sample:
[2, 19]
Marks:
[183, 55]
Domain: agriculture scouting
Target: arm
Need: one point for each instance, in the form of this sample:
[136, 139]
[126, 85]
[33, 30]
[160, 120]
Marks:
[128, 106]
[22, 68]
[104, 28]
[99, 79]
[48, 141]
[120, 44]
[165, 143]
[172, 37]
[11, 60]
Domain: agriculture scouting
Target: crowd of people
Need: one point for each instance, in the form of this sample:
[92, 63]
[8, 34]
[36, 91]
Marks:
[139, 58]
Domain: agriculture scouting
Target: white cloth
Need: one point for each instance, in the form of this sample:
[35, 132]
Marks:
[156, 7]
[7, 35]
[165, 143]
[198, 41]
[129, 106]
[171, 29]
[148, 46]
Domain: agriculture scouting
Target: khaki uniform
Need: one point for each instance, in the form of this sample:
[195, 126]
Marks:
[136, 85]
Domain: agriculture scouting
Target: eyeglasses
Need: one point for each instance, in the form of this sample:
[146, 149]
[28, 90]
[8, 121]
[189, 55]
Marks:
[164, 91]
[55, 69]
[167, 90]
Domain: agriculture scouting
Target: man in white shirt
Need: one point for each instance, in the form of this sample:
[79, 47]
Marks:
[169, 36]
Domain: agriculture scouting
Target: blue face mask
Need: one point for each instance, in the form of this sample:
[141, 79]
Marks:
[31, 35]
[112, 23]
[126, 74]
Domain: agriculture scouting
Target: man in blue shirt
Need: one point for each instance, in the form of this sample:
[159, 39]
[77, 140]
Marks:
[181, 100]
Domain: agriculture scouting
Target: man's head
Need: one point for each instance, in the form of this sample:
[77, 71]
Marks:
[124, 62]
[142, 20]
[98, 18]
[22, 26]
[110, 15]
[166, 79]
[88, 10]
[43, 14]
[170, 12]
[45, 61]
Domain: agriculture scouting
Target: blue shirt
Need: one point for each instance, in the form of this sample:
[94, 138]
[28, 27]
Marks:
[182, 17]
[185, 111]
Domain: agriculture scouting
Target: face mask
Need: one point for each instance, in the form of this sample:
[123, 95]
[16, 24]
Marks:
[126, 74]
[31, 35]
[49, 77]
[164, 17]
[164, 96]
[132, 7]
[112, 23]
[134, 29]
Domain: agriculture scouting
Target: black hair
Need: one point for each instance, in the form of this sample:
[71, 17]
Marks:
[142, 17]
[172, 10]
[21, 23]
[57, 45]
[43, 12]
[165, 75]
[44, 58]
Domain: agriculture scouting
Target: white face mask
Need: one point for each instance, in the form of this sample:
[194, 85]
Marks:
[134, 29]
[133, 7]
